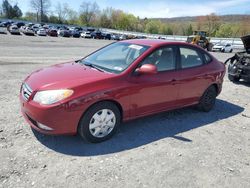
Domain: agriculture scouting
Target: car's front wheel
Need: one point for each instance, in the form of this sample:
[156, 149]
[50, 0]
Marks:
[100, 122]
[207, 100]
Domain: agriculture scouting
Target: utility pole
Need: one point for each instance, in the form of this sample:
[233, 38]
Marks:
[41, 3]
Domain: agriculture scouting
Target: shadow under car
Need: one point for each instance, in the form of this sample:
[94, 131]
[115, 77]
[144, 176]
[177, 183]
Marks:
[142, 131]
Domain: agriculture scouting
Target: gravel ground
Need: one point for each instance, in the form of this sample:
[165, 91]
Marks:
[182, 148]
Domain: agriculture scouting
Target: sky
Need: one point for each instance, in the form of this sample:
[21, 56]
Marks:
[159, 8]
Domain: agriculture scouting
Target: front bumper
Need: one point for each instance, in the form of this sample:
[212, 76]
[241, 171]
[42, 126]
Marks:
[216, 49]
[60, 119]
[15, 32]
[240, 71]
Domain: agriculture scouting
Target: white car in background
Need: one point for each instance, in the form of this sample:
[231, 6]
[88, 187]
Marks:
[41, 32]
[28, 31]
[86, 34]
[14, 30]
[3, 30]
[223, 47]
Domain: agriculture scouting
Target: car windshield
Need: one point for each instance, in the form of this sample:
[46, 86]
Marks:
[115, 58]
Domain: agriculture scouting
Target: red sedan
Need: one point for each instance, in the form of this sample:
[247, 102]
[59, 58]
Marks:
[120, 82]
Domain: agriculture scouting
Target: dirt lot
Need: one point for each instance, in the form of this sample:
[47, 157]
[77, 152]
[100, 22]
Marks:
[183, 148]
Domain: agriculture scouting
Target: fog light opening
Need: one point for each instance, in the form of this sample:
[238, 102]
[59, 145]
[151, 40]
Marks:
[44, 127]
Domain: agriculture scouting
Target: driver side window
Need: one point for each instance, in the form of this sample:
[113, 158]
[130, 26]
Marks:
[163, 59]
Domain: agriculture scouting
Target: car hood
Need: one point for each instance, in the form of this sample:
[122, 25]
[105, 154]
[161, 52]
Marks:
[246, 42]
[66, 75]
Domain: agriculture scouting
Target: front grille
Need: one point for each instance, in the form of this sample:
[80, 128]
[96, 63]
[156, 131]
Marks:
[26, 91]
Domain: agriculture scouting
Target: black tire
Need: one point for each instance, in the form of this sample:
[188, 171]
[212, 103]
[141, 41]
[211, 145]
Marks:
[84, 124]
[209, 47]
[231, 50]
[207, 100]
[233, 78]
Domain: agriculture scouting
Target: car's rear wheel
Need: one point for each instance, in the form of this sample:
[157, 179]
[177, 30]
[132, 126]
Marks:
[100, 122]
[207, 100]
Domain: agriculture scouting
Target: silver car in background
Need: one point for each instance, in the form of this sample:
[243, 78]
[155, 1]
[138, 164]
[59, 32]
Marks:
[223, 47]
[41, 32]
[14, 30]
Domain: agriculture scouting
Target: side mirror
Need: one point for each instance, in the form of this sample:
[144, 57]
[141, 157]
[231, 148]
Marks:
[147, 69]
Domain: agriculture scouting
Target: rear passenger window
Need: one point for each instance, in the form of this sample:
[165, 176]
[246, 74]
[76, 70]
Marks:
[190, 58]
[208, 59]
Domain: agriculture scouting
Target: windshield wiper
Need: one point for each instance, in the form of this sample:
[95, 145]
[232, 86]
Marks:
[77, 61]
[94, 66]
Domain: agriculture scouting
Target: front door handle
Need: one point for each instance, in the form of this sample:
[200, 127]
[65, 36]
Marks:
[174, 81]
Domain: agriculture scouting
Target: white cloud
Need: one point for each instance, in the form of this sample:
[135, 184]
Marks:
[227, 3]
[164, 10]
[173, 9]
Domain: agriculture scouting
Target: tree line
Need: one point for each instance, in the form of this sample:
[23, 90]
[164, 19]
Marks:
[90, 14]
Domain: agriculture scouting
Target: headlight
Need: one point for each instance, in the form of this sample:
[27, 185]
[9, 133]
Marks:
[52, 96]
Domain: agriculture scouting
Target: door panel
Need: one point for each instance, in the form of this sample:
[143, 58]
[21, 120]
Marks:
[193, 76]
[192, 85]
[153, 93]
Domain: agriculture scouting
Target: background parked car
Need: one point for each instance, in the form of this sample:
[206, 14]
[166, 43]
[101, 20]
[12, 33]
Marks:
[75, 34]
[46, 27]
[41, 32]
[6, 24]
[36, 27]
[64, 33]
[20, 24]
[97, 35]
[52, 33]
[86, 34]
[14, 30]
[3, 30]
[28, 31]
[123, 37]
[106, 36]
[115, 37]
[223, 47]
[144, 37]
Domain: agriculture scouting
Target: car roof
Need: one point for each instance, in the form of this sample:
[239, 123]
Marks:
[153, 42]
